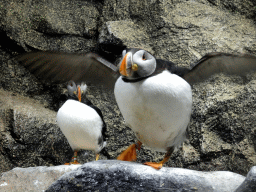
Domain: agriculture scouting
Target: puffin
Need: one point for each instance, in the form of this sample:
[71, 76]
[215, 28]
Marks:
[153, 95]
[82, 123]
[155, 104]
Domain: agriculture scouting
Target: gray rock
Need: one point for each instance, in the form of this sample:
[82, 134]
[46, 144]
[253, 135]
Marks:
[127, 176]
[224, 113]
[190, 29]
[33, 178]
[246, 8]
[124, 33]
[29, 134]
[249, 184]
[34, 23]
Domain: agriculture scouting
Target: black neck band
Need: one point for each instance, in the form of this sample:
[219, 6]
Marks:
[133, 80]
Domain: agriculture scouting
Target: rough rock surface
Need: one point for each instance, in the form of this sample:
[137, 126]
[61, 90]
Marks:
[126, 176]
[33, 178]
[29, 130]
[223, 127]
[249, 184]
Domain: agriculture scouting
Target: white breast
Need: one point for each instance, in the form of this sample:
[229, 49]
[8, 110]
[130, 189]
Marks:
[157, 109]
[81, 125]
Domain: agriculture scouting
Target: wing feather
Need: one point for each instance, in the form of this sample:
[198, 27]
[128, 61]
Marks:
[57, 67]
[226, 63]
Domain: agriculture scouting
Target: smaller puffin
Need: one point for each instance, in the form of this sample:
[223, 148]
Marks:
[82, 123]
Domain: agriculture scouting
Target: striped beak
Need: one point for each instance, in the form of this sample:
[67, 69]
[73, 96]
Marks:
[79, 95]
[125, 68]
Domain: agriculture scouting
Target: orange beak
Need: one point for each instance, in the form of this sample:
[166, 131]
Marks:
[123, 66]
[79, 93]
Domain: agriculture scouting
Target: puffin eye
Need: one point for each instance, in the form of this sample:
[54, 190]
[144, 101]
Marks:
[144, 57]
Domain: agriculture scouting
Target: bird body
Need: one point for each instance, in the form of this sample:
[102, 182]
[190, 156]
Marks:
[157, 108]
[81, 122]
[81, 125]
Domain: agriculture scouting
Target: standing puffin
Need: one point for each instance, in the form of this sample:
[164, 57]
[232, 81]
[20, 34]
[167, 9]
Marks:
[81, 122]
[156, 104]
[154, 95]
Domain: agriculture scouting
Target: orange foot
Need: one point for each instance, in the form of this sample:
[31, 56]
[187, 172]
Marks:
[97, 157]
[74, 159]
[160, 164]
[154, 165]
[129, 154]
[72, 163]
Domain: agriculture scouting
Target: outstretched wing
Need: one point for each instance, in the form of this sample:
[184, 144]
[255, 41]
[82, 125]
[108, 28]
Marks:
[226, 63]
[57, 67]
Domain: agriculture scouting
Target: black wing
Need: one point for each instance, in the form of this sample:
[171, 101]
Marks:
[57, 67]
[226, 63]
[172, 67]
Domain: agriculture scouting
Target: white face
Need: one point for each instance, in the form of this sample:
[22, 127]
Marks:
[83, 87]
[146, 63]
[137, 64]
[72, 88]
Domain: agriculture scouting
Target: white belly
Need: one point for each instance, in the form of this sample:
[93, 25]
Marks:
[157, 109]
[81, 125]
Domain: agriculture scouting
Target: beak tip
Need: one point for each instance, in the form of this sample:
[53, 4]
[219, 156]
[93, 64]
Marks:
[123, 66]
[79, 93]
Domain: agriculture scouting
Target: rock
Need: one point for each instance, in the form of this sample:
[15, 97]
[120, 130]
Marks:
[29, 134]
[73, 23]
[224, 112]
[127, 176]
[124, 33]
[190, 29]
[249, 184]
[32, 178]
[246, 8]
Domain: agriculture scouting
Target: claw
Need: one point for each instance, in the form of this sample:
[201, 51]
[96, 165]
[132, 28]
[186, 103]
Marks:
[154, 165]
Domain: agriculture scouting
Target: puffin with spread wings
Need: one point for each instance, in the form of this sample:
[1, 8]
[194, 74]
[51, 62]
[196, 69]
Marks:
[153, 95]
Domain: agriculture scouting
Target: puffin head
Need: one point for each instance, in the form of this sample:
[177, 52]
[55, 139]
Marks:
[136, 63]
[76, 90]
